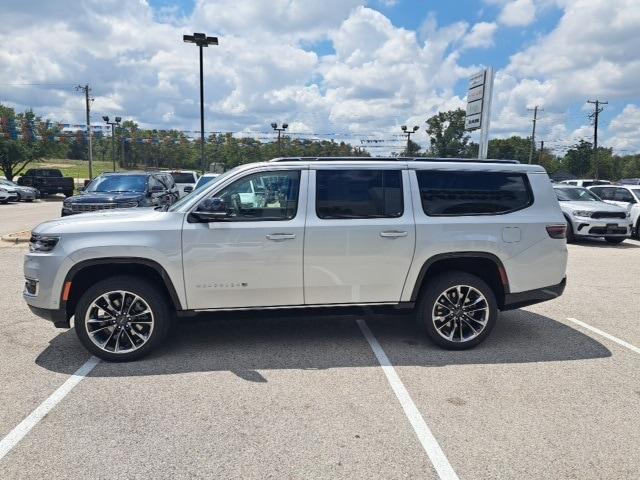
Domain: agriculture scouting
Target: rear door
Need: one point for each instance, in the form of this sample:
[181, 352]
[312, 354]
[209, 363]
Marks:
[359, 236]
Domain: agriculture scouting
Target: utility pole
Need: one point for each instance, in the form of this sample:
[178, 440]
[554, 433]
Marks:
[87, 90]
[541, 151]
[408, 134]
[533, 132]
[594, 116]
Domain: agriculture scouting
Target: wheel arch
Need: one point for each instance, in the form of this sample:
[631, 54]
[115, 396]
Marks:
[483, 264]
[82, 274]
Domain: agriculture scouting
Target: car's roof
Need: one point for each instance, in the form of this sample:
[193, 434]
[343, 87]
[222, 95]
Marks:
[419, 163]
[129, 172]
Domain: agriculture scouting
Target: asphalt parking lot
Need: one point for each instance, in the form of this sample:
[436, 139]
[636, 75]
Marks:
[286, 395]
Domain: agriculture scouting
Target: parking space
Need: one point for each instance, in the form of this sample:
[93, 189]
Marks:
[284, 394]
[17, 216]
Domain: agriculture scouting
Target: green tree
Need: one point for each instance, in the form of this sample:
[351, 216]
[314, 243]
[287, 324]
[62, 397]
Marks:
[447, 135]
[512, 148]
[411, 150]
[577, 160]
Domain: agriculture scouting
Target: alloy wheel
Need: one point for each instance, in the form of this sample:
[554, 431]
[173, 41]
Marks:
[119, 322]
[460, 313]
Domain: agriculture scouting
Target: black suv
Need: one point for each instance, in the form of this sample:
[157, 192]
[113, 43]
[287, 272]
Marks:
[123, 190]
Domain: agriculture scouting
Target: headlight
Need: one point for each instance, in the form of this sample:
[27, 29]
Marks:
[127, 204]
[582, 213]
[628, 214]
[42, 243]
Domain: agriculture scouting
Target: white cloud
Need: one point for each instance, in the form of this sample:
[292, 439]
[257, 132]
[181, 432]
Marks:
[480, 35]
[623, 132]
[518, 13]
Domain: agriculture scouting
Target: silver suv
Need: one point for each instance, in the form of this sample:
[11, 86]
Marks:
[457, 240]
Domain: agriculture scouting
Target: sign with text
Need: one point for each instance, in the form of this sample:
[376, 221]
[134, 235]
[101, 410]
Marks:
[475, 100]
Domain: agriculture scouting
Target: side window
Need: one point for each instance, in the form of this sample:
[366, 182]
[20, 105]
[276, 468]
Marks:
[605, 193]
[623, 195]
[450, 193]
[263, 196]
[359, 194]
[598, 191]
[153, 182]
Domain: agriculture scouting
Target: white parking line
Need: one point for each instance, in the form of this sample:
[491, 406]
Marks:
[633, 348]
[25, 426]
[429, 443]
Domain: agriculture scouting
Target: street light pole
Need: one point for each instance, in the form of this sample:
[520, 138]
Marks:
[279, 130]
[201, 40]
[113, 137]
[408, 134]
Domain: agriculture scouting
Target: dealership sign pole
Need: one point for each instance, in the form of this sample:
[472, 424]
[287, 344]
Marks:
[479, 107]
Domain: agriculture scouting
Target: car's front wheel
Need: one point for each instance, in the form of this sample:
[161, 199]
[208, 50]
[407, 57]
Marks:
[457, 310]
[122, 318]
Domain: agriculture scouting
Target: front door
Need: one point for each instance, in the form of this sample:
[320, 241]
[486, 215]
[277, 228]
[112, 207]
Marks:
[360, 235]
[252, 257]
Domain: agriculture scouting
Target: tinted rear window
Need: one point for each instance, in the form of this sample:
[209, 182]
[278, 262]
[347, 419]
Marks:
[180, 177]
[473, 193]
[359, 193]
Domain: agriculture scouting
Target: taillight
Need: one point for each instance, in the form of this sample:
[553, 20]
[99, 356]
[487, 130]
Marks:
[557, 231]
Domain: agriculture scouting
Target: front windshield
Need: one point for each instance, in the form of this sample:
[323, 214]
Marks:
[576, 194]
[187, 198]
[118, 183]
[8, 183]
[636, 193]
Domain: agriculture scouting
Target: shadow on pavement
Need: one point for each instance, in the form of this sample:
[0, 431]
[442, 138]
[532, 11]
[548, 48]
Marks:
[247, 343]
[601, 243]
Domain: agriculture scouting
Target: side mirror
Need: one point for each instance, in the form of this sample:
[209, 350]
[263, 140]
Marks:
[156, 189]
[188, 189]
[211, 210]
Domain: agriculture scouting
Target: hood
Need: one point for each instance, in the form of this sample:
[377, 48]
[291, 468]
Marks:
[105, 197]
[122, 219]
[591, 206]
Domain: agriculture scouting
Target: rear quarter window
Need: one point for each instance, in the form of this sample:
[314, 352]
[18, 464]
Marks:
[456, 193]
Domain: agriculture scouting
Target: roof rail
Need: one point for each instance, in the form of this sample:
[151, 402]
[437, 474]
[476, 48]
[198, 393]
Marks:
[388, 159]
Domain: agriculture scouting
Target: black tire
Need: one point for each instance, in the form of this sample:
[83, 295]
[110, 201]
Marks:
[636, 232]
[68, 194]
[28, 200]
[614, 240]
[433, 291]
[571, 238]
[149, 292]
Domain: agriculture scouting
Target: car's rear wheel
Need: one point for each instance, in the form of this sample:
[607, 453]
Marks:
[122, 318]
[457, 310]
[614, 240]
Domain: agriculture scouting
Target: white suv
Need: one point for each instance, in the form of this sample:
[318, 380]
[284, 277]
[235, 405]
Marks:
[626, 196]
[185, 181]
[457, 240]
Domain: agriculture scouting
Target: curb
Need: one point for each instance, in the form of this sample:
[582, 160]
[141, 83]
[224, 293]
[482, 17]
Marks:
[17, 237]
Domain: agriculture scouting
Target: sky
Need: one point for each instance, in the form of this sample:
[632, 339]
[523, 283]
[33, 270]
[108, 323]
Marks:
[337, 69]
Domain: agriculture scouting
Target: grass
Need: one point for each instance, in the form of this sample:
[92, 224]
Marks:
[78, 169]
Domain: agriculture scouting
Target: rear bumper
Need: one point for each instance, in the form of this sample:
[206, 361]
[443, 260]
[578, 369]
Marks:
[531, 297]
[58, 317]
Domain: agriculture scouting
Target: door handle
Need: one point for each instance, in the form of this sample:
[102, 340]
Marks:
[281, 236]
[393, 234]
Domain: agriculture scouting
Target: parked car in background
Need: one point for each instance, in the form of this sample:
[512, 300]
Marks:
[588, 216]
[456, 240]
[629, 181]
[47, 181]
[6, 195]
[585, 182]
[123, 190]
[26, 194]
[206, 179]
[626, 196]
[185, 180]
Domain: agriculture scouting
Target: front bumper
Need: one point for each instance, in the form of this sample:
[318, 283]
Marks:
[612, 227]
[58, 317]
[531, 297]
